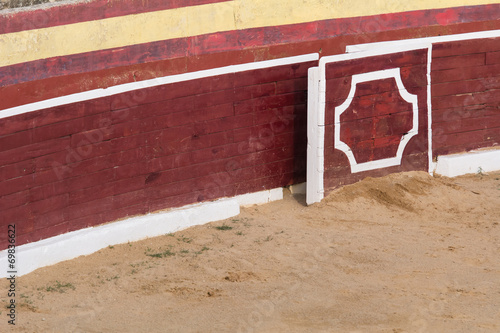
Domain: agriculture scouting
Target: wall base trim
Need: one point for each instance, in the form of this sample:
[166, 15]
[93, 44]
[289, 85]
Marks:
[50, 251]
[466, 163]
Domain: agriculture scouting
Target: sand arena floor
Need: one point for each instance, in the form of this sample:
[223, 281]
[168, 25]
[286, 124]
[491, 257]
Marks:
[403, 253]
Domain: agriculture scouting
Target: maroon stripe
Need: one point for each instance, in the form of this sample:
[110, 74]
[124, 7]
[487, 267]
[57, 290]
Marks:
[252, 38]
[62, 14]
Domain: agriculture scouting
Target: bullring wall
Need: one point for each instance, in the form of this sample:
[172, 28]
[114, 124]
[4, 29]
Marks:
[111, 110]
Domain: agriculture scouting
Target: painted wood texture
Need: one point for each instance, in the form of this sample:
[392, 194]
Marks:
[377, 117]
[466, 95]
[314, 35]
[87, 163]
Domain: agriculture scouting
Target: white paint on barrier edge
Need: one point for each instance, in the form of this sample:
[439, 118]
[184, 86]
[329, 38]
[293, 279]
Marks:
[89, 240]
[388, 45]
[467, 163]
[315, 138]
[132, 86]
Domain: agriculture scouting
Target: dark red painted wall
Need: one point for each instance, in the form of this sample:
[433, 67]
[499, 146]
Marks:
[465, 90]
[92, 162]
[465, 95]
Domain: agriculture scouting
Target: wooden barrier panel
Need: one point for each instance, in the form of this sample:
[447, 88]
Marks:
[203, 136]
[396, 106]
[110, 109]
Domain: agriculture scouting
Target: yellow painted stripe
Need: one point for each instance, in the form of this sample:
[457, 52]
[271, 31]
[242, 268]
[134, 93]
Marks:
[261, 13]
[128, 30]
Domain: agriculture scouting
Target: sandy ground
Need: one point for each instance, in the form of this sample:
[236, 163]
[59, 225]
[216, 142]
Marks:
[403, 253]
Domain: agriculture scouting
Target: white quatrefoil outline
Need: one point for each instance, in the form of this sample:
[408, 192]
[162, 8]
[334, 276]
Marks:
[410, 98]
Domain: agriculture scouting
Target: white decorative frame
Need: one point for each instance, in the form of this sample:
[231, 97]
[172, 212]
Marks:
[316, 98]
[410, 98]
[317, 107]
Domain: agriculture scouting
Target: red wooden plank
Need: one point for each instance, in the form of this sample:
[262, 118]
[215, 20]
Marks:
[287, 86]
[174, 201]
[493, 57]
[15, 215]
[124, 212]
[85, 222]
[224, 124]
[468, 124]
[211, 140]
[466, 86]
[50, 204]
[58, 130]
[173, 91]
[273, 74]
[129, 199]
[128, 185]
[16, 140]
[255, 91]
[77, 211]
[16, 170]
[462, 47]
[175, 188]
[131, 170]
[17, 123]
[459, 61]
[47, 190]
[49, 219]
[456, 114]
[36, 149]
[16, 185]
[466, 73]
[15, 199]
[46, 232]
[280, 119]
[90, 180]
[203, 111]
[442, 140]
[270, 102]
[453, 101]
[91, 193]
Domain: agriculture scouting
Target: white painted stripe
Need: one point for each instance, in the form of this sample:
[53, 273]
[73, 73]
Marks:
[315, 141]
[388, 45]
[467, 163]
[410, 98]
[372, 52]
[86, 241]
[429, 109]
[122, 88]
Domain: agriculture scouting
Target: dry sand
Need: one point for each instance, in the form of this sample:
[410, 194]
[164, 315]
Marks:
[403, 253]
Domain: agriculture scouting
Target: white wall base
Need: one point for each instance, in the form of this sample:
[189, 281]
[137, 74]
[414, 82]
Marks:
[259, 198]
[32, 256]
[471, 162]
